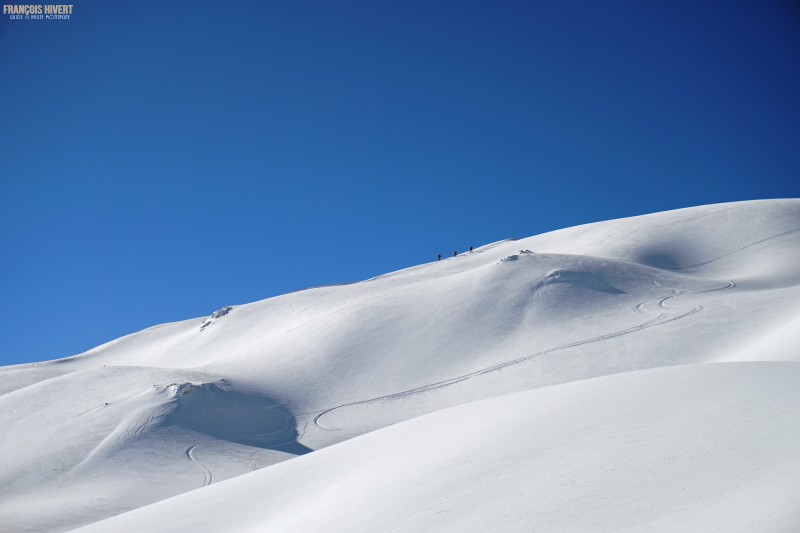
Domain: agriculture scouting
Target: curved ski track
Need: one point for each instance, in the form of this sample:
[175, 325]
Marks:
[704, 263]
[207, 474]
[444, 383]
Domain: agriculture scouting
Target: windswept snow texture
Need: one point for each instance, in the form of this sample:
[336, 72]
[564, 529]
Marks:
[498, 349]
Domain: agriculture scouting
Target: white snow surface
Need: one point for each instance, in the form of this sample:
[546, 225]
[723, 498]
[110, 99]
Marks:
[708, 447]
[635, 374]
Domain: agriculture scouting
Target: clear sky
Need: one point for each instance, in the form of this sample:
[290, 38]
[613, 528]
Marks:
[159, 160]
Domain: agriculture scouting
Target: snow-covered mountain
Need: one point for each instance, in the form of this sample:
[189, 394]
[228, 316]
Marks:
[540, 366]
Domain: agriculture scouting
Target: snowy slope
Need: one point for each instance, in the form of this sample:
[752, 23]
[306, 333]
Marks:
[691, 448]
[182, 405]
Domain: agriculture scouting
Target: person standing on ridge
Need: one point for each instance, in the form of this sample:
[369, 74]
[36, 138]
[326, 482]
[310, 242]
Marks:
[455, 253]
[440, 257]
[470, 249]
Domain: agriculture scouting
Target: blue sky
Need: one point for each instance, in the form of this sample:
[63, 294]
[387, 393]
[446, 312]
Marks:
[159, 160]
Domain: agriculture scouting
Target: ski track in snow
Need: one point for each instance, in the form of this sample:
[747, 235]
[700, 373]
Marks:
[207, 474]
[704, 263]
[658, 321]
[253, 457]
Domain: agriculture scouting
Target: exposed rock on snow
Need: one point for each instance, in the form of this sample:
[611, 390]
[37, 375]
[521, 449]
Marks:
[215, 315]
[221, 312]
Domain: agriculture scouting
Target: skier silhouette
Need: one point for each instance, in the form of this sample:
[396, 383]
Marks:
[455, 253]
[440, 257]
[470, 249]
